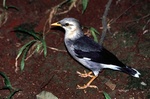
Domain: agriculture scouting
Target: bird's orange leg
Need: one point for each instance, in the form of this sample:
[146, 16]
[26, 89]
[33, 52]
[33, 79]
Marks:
[89, 83]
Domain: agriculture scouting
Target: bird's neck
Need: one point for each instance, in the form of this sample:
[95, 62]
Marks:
[73, 35]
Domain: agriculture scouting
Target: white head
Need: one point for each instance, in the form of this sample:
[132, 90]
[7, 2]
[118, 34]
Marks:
[71, 26]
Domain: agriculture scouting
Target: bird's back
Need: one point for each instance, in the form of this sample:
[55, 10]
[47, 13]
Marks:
[85, 47]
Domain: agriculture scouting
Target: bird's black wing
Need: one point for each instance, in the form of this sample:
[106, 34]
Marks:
[85, 47]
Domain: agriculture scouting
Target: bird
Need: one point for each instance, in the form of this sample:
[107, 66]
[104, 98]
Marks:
[89, 53]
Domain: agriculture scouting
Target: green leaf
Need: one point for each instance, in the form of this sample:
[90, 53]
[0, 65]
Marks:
[12, 7]
[39, 42]
[12, 93]
[84, 4]
[44, 46]
[24, 47]
[23, 59]
[8, 86]
[32, 33]
[94, 31]
[38, 47]
[25, 51]
[106, 95]
[6, 80]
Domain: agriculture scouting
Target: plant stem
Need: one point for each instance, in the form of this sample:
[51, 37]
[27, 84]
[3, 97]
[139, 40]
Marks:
[4, 3]
[104, 22]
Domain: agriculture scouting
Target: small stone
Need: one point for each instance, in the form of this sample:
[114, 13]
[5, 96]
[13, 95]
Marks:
[143, 83]
[45, 95]
[110, 85]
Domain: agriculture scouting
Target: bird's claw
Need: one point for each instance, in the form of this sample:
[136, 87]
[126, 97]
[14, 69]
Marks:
[85, 74]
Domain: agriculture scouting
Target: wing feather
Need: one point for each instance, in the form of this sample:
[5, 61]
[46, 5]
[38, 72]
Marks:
[85, 47]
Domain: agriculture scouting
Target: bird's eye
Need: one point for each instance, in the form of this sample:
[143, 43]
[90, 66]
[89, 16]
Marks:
[66, 24]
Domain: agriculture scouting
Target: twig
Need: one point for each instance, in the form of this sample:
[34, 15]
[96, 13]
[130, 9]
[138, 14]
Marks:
[47, 82]
[104, 22]
[30, 55]
[48, 21]
[73, 4]
[4, 3]
[55, 49]
[16, 64]
[54, 12]
[3, 17]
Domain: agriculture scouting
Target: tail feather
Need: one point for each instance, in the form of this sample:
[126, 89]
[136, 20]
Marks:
[131, 71]
[128, 70]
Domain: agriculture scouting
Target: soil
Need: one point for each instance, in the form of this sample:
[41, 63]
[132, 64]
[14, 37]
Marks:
[128, 39]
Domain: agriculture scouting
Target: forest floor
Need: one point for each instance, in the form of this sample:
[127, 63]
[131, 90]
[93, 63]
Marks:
[128, 39]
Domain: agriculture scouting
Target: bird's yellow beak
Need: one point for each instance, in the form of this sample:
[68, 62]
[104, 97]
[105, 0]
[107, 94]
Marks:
[56, 24]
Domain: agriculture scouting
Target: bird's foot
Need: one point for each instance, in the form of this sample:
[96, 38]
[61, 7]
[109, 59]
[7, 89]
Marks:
[89, 83]
[85, 74]
[86, 86]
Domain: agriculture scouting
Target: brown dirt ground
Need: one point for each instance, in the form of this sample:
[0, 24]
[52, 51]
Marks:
[57, 72]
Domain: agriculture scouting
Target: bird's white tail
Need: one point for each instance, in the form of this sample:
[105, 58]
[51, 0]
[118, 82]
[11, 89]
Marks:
[128, 70]
[131, 71]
